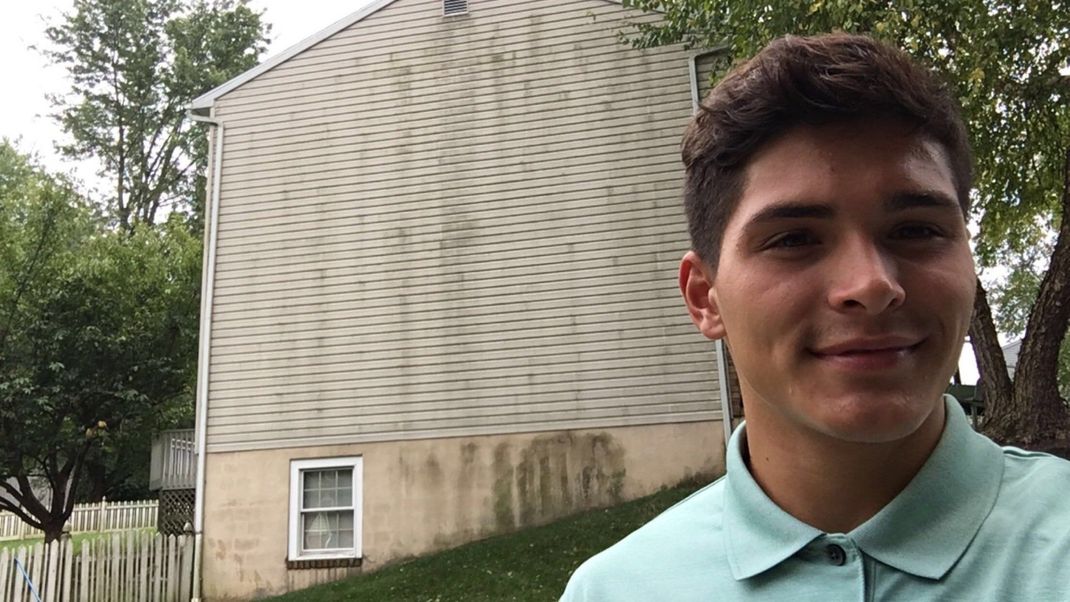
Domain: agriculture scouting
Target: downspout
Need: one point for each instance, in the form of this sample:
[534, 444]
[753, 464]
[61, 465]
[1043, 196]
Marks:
[722, 359]
[204, 347]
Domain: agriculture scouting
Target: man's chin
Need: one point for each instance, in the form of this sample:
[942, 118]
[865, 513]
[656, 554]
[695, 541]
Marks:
[874, 420]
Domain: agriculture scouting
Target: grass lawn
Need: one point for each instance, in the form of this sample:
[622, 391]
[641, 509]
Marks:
[533, 564]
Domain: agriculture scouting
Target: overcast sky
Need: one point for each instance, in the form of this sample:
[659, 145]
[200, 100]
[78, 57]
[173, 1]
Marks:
[28, 78]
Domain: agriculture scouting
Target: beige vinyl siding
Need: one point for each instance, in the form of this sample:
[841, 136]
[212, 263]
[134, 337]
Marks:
[443, 227]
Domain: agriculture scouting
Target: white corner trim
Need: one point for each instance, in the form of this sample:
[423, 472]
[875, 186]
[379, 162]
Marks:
[207, 99]
[724, 391]
[294, 511]
[719, 347]
[204, 347]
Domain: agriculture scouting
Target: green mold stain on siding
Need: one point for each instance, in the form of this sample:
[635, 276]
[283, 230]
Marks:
[555, 475]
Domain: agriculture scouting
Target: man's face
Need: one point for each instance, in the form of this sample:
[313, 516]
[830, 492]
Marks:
[845, 282]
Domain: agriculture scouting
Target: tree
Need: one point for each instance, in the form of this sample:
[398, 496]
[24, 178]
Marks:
[1014, 296]
[1006, 62]
[135, 65]
[98, 332]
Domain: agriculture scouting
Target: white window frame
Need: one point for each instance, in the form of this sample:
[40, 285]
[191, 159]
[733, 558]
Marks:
[297, 469]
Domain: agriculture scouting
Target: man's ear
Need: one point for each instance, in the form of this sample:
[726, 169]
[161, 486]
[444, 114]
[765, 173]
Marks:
[696, 285]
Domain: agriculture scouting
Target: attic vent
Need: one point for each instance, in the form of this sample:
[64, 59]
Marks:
[454, 7]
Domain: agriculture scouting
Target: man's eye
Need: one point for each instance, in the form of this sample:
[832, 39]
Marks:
[789, 240]
[917, 232]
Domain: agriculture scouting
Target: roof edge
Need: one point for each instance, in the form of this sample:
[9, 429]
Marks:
[207, 100]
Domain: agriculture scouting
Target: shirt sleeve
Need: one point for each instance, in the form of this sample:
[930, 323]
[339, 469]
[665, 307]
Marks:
[577, 588]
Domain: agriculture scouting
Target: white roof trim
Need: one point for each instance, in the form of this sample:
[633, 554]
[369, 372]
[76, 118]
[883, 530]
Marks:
[207, 100]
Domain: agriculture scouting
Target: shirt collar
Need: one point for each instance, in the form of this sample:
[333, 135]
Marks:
[923, 531]
[929, 525]
[759, 535]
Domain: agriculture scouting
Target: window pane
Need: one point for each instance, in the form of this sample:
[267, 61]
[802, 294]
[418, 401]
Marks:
[311, 497]
[328, 498]
[328, 530]
[328, 488]
[312, 538]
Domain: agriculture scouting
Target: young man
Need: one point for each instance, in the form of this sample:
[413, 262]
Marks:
[827, 184]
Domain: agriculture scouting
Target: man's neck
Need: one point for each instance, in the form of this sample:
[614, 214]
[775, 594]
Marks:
[831, 484]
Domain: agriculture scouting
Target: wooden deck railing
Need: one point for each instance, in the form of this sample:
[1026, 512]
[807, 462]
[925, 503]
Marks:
[174, 460]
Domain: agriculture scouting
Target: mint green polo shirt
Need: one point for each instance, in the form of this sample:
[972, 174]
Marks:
[978, 522]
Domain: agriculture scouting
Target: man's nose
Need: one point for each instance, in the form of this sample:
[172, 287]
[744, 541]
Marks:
[865, 279]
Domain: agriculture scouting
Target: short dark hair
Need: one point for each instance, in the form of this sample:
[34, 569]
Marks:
[807, 81]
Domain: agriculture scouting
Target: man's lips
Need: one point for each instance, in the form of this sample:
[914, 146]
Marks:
[869, 353]
[869, 345]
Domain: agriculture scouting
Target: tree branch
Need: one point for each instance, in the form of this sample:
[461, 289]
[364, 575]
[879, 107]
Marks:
[995, 381]
[29, 498]
[1037, 377]
[75, 475]
[23, 282]
[21, 511]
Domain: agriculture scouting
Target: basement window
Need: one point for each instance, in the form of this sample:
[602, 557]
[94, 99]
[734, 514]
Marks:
[454, 7]
[325, 509]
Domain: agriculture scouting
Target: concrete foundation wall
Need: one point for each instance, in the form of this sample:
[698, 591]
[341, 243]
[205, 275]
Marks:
[427, 495]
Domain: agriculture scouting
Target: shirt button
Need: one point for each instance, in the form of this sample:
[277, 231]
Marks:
[836, 555]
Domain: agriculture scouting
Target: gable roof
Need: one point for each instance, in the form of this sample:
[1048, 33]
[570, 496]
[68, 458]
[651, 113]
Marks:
[205, 101]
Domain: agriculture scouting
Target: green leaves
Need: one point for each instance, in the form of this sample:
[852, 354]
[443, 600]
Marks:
[134, 66]
[98, 318]
[98, 327]
[1003, 59]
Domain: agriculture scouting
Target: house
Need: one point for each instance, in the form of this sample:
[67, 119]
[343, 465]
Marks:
[1010, 355]
[439, 297]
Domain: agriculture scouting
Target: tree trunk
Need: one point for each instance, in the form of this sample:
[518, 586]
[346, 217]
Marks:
[1037, 416]
[53, 529]
[62, 484]
[994, 381]
[96, 474]
[122, 207]
[1036, 378]
[32, 512]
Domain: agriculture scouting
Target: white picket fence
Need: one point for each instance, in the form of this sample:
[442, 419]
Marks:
[87, 518]
[132, 567]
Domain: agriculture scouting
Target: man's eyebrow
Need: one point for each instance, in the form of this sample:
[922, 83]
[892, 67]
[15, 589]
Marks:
[803, 209]
[791, 210]
[927, 198]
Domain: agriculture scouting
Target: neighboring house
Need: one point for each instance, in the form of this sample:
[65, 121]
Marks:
[1010, 355]
[964, 386]
[440, 296]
